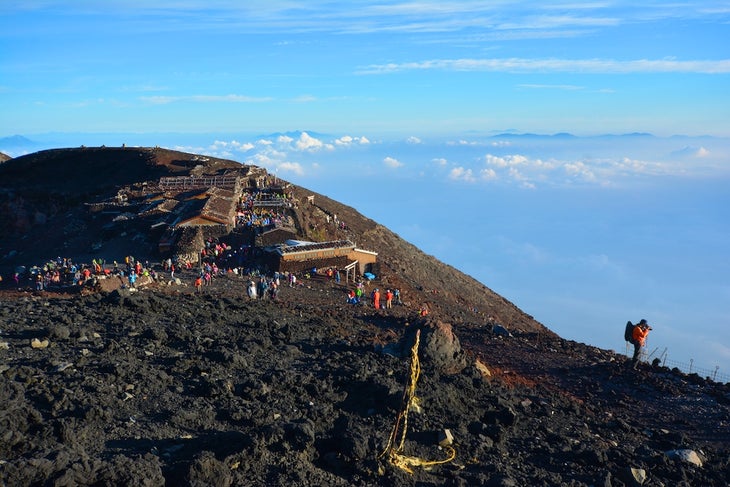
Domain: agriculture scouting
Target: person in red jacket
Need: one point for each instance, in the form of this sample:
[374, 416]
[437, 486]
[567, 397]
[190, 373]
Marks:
[641, 331]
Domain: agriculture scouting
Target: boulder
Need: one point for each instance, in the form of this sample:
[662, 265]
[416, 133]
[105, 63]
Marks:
[439, 347]
[36, 343]
[207, 470]
[483, 369]
[446, 438]
[118, 296]
[501, 331]
[685, 455]
[633, 476]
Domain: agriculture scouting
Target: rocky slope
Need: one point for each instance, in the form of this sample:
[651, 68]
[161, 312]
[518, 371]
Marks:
[42, 198]
[168, 386]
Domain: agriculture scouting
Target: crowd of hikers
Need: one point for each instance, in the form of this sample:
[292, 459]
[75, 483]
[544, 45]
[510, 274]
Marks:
[64, 272]
[216, 259]
[249, 214]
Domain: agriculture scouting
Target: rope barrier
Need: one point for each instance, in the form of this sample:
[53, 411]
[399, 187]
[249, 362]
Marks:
[400, 427]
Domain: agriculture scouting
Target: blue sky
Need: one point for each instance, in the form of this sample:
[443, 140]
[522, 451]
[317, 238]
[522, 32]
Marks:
[372, 67]
[421, 100]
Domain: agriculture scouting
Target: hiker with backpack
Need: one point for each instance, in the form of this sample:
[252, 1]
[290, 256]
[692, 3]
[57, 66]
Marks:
[636, 335]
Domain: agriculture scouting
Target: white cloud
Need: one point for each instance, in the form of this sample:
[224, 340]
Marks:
[518, 176]
[638, 166]
[553, 65]
[462, 174]
[164, 100]
[219, 148]
[247, 146]
[581, 170]
[261, 159]
[275, 161]
[423, 16]
[392, 162]
[509, 160]
[347, 140]
[413, 140]
[463, 142]
[501, 143]
[293, 167]
[309, 143]
[524, 170]
[344, 140]
[690, 151]
[551, 87]
[230, 145]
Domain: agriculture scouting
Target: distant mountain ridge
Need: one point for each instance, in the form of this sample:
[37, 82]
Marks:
[16, 141]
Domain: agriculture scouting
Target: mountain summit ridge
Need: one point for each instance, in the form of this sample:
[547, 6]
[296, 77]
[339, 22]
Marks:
[92, 174]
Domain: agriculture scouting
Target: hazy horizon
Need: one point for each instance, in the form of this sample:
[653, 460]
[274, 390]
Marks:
[402, 98]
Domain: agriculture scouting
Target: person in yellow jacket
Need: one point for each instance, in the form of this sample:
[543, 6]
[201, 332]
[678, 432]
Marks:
[641, 331]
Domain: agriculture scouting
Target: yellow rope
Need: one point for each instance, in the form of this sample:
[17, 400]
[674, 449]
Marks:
[409, 401]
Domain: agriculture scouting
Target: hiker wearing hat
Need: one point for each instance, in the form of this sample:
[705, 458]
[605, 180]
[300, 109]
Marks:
[641, 331]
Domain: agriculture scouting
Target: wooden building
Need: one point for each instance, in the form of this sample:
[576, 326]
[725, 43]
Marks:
[216, 206]
[297, 256]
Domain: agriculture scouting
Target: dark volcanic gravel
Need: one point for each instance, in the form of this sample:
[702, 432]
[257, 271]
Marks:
[165, 387]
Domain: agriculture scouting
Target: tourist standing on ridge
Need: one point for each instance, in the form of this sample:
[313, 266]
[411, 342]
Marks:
[641, 331]
[376, 298]
[251, 290]
[262, 288]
